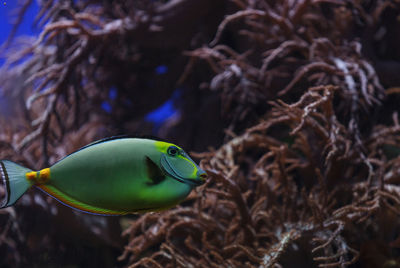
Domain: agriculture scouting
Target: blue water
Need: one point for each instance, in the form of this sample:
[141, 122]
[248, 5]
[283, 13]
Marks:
[159, 115]
[113, 93]
[8, 16]
[164, 112]
[161, 69]
[8, 13]
[106, 106]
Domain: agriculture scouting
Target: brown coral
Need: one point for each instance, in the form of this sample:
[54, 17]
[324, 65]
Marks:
[291, 93]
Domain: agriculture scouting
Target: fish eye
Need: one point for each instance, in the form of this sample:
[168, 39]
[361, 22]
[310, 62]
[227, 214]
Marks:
[173, 151]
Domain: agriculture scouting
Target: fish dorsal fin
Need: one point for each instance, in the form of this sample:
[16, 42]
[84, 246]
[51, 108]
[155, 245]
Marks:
[154, 172]
[119, 137]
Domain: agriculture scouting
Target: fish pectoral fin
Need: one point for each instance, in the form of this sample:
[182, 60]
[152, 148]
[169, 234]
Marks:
[154, 172]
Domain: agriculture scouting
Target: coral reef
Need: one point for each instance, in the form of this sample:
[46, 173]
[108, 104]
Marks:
[292, 107]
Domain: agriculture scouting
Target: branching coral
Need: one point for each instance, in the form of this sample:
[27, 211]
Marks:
[267, 197]
[310, 169]
[291, 41]
[66, 71]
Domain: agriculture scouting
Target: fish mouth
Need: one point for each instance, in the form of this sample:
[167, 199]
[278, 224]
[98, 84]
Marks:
[189, 181]
[167, 168]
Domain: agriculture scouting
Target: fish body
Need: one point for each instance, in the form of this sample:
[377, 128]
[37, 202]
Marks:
[114, 176]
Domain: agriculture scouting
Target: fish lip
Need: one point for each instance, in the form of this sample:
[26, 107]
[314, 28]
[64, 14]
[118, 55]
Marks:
[194, 182]
[184, 180]
[180, 178]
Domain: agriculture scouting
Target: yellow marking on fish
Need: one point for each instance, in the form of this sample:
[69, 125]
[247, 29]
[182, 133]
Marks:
[163, 146]
[31, 176]
[194, 173]
[44, 176]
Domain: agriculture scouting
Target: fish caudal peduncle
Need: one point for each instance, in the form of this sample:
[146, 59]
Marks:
[38, 177]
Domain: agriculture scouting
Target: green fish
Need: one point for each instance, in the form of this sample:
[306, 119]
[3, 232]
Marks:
[113, 176]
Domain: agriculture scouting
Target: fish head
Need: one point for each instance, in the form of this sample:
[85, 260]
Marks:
[176, 163]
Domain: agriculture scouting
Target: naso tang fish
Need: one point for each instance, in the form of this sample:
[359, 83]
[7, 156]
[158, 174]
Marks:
[114, 176]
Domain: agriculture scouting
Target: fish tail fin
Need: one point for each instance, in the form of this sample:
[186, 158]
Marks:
[14, 180]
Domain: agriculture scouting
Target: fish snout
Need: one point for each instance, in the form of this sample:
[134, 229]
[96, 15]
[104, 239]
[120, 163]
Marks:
[202, 175]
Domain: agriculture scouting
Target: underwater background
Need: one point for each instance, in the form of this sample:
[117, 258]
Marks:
[290, 106]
